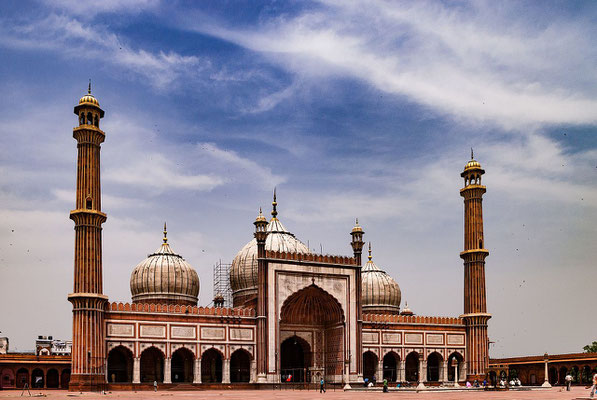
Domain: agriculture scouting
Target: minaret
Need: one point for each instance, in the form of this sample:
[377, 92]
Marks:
[262, 336]
[475, 302]
[357, 248]
[88, 349]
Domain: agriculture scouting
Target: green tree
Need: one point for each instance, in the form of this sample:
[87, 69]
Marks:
[591, 348]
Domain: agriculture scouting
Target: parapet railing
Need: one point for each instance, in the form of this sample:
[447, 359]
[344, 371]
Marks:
[319, 258]
[180, 309]
[412, 319]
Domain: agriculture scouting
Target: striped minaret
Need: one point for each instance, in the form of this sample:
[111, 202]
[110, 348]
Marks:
[475, 302]
[88, 350]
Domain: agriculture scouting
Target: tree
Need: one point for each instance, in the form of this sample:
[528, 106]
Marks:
[591, 348]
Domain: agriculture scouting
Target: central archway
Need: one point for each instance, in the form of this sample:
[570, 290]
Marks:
[319, 350]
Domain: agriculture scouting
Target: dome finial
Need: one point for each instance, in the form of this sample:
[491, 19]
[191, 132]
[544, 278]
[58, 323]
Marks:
[165, 233]
[89, 87]
[274, 206]
[370, 256]
[472, 154]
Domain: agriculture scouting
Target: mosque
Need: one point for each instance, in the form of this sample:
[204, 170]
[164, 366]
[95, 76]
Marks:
[297, 316]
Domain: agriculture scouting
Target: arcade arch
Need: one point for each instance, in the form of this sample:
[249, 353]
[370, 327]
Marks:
[152, 365]
[240, 366]
[370, 362]
[211, 366]
[182, 366]
[434, 361]
[390, 367]
[120, 365]
[411, 368]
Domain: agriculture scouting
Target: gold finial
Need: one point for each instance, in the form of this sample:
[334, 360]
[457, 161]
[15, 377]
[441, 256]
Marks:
[165, 234]
[370, 256]
[472, 155]
[89, 88]
[274, 205]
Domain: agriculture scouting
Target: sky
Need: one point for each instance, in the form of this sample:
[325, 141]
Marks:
[360, 109]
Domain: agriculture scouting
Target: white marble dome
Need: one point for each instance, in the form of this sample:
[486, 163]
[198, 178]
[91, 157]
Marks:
[164, 277]
[380, 292]
[243, 272]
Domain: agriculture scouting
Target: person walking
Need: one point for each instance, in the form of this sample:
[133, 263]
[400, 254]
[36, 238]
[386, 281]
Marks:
[594, 385]
[155, 386]
[385, 385]
[568, 380]
[321, 386]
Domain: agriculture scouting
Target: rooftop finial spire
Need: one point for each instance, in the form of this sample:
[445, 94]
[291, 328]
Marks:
[472, 155]
[370, 256]
[165, 234]
[89, 88]
[274, 206]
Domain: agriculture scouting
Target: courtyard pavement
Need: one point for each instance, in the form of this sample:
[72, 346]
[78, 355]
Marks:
[554, 393]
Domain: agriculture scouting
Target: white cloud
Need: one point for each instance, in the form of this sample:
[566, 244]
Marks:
[71, 37]
[451, 60]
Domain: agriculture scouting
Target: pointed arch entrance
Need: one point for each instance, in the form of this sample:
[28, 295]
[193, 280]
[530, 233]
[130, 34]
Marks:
[313, 335]
[182, 366]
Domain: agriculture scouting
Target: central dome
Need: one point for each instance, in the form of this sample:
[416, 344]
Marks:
[164, 277]
[243, 272]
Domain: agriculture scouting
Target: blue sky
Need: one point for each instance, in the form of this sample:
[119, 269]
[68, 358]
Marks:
[352, 109]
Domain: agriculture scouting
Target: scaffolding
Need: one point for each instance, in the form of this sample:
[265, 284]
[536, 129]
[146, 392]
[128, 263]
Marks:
[221, 282]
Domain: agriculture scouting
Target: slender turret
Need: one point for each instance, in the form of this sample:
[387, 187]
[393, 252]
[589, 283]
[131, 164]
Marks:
[475, 302]
[88, 350]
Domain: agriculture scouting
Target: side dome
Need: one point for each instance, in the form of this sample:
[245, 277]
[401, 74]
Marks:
[380, 292]
[243, 271]
[164, 277]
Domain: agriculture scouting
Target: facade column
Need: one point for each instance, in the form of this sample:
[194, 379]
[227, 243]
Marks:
[401, 371]
[226, 371]
[168, 370]
[422, 372]
[137, 370]
[456, 376]
[546, 382]
[197, 371]
[379, 372]
[443, 377]
[253, 377]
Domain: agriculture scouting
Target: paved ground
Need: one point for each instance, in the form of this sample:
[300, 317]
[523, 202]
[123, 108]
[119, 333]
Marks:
[555, 393]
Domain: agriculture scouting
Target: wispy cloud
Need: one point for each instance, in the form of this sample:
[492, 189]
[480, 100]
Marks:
[69, 36]
[451, 59]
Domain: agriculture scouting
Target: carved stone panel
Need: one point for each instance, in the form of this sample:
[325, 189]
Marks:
[370, 337]
[455, 339]
[391, 337]
[241, 334]
[126, 330]
[154, 331]
[413, 338]
[213, 333]
[435, 338]
[183, 332]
